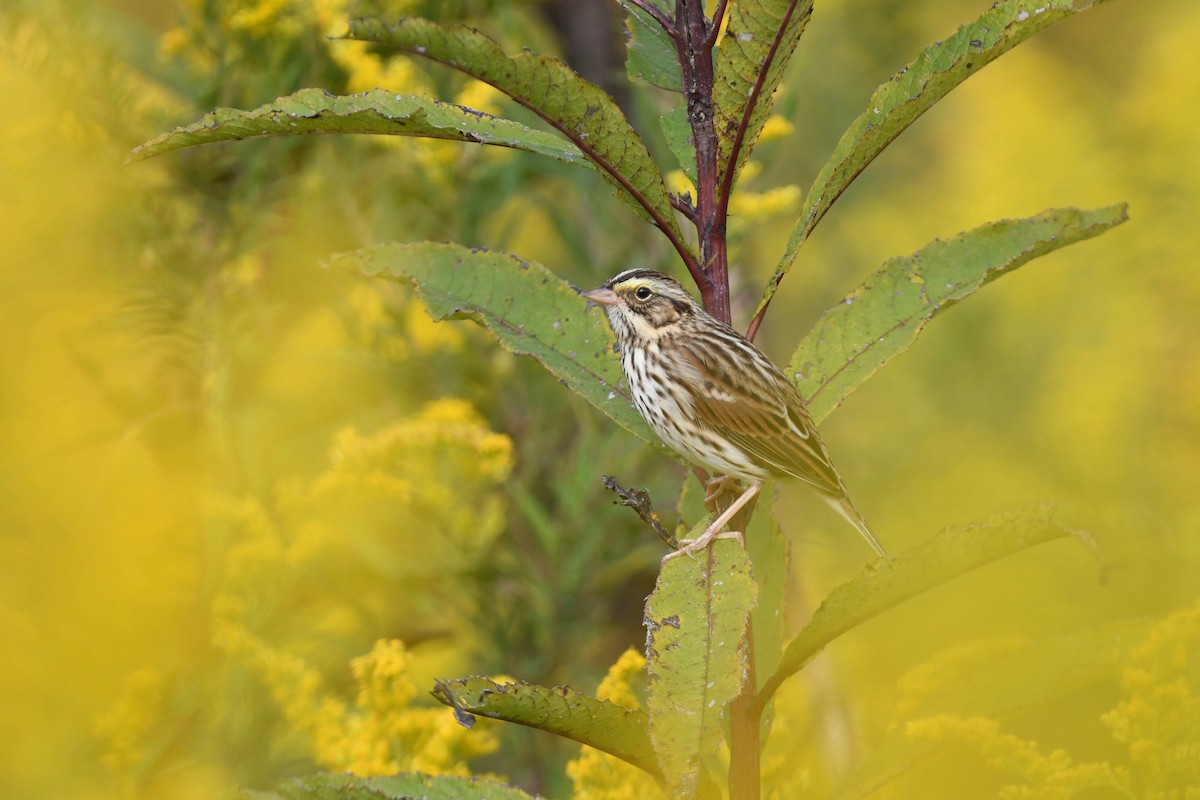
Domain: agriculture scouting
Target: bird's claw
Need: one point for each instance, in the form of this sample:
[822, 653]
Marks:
[715, 487]
[692, 546]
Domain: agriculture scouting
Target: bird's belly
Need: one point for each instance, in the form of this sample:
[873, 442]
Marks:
[669, 412]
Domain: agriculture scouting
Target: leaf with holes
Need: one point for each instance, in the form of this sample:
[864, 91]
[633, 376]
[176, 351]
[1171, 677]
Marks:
[622, 732]
[313, 111]
[696, 656]
[581, 111]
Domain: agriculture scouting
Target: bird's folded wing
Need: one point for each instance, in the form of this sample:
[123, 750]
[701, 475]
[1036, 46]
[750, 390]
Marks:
[765, 420]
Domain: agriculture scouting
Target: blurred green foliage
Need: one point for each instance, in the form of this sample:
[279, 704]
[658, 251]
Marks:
[228, 472]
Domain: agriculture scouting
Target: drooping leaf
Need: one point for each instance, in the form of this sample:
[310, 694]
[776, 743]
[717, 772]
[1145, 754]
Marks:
[580, 110]
[696, 658]
[911, 92]
[311, 111]
[882, 317]
[529, 309]
[886, 583]
[622, 732]
[652, 57]
[759, 42]
[404, 786]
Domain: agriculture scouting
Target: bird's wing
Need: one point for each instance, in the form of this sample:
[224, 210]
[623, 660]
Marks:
[763, 415]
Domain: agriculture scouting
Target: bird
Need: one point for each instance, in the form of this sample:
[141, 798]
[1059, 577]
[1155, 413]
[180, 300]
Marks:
[715, 398]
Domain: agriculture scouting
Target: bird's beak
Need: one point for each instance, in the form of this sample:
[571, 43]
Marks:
[601, 295]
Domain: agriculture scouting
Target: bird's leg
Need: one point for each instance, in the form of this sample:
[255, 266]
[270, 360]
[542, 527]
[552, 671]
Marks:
[713, 531]
[715, 487]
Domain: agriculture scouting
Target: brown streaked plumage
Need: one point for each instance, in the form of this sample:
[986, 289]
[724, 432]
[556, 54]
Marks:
[713, 396]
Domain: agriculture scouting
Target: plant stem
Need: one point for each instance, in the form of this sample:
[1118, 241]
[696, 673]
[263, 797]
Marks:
[694, 37]
[745, 768]
[694, 46]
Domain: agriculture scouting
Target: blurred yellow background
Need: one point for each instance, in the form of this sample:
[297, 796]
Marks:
[232, 482]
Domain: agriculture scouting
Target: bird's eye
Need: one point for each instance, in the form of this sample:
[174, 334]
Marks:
[642, 293]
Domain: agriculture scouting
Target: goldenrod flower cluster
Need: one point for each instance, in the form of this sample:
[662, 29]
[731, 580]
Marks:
[1158, 722]
[417, 496]
[599, 776]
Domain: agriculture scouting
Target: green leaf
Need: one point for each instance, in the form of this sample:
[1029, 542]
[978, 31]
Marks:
[652, 57]
[759, 42]
[404, 786]
[678, 133]
[529, 309]
[606, 726]
[770, 554]
[580, 110]
[696, 656]
[887, 583]
[882, 317]
[911, 92]
[310, 111]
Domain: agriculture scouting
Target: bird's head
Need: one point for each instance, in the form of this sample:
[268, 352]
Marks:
[643, 303]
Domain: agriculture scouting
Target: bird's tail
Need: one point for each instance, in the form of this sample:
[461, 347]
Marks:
[843, 506]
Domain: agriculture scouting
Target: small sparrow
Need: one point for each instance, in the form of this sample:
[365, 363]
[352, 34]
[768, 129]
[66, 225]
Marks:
[714, 397]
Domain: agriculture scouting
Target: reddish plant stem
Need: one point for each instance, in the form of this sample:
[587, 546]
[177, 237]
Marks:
[714, 29]
[694, 38]
[684, 206]
[752, 328]
[695, 57]
[745, 722]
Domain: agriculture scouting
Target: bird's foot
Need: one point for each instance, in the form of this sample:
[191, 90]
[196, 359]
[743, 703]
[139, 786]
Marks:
[715, 487]
[712, 532]
[692, 546]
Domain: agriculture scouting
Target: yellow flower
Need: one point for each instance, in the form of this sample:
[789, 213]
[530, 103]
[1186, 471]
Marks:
[441, 466]
[382, 677]
[128, 725]
[1159, 720]
[383, 733]
[617, 686]
[1042, 776]
[679, 183]
[599, 776]
[174, 42]
[752, 206]
[931, 678]
[776, 127]
[330, 16]
[260, 18]
[372, 71]
[480, 96]
[427, 336]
